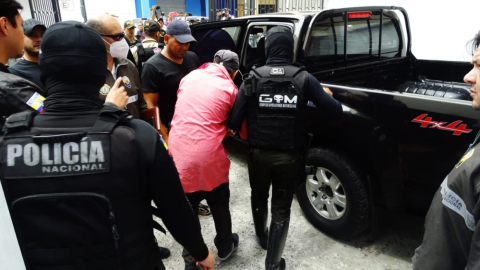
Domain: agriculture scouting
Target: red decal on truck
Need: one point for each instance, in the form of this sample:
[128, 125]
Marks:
[457, 130]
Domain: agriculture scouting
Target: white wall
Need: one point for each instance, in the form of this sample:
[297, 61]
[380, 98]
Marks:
[124, 9]
[440, 29]
[72, 11]
[26, 13]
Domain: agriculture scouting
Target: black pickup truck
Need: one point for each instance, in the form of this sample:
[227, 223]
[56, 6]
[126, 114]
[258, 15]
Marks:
[406, 121]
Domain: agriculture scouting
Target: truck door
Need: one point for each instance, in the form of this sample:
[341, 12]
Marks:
[244, 37]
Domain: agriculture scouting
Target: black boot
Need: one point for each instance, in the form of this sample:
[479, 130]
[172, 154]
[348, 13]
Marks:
[260, 222]
[276, 243]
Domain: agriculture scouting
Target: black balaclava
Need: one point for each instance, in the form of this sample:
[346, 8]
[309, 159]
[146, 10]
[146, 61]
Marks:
[279, 46]
[73, 64]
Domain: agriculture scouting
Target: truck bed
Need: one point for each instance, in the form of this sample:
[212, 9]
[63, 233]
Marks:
[393, 75]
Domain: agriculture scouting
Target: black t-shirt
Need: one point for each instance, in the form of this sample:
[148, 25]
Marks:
[161, 75]
[27, 70]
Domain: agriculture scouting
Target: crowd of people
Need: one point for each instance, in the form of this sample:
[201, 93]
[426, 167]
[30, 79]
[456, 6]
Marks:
[82, 168]
[188, 17]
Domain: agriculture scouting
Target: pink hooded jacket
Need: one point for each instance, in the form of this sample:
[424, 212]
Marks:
[205, 99]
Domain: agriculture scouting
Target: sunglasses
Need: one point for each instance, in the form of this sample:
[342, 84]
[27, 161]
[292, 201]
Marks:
[115, 37]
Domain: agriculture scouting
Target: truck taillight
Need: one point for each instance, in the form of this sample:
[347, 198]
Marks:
[360, 15]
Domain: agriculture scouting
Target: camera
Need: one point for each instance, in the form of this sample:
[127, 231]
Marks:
[157, 7]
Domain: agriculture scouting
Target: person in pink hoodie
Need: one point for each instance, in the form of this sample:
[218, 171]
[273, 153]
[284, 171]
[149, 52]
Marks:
[205, 99]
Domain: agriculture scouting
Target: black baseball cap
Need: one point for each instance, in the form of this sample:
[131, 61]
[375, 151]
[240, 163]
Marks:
[29, 24]
[228, 59]
[181, 31]
[151, 26]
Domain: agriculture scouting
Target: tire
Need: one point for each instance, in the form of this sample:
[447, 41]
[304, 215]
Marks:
[342, 206]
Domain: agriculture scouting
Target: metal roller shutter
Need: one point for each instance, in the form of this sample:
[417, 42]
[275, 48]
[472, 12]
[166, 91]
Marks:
[171, 5]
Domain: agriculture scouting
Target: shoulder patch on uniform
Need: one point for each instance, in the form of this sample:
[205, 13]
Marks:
[104, 90]
[453, 201]
[277, 71]
[126, 81]
[36, 102]
[465, 157]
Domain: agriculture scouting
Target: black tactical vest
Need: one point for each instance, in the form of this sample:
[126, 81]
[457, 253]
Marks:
[144, 53]
[277, 108]
[75, 197]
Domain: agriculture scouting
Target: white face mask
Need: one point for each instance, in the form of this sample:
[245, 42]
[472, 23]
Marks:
[118, 49]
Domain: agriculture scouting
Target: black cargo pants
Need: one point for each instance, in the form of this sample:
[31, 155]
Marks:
[219, 202]
[280, 169]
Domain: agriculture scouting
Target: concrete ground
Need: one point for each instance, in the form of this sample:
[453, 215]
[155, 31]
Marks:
[390, 246]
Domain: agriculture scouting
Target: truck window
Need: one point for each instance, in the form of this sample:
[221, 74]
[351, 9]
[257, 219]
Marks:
[254, 54]
[255, 50]
[255, 34]
[327, 42]
[234, 32]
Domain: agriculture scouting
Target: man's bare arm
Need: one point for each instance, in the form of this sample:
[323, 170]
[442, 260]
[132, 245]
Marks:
[152, 13]
[151, 99]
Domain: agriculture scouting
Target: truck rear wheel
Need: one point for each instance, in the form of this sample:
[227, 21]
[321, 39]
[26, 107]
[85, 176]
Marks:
[334, 198]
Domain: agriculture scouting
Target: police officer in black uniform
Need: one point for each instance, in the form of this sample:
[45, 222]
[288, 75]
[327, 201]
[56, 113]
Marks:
[76, 199]
[452, 228]
[275, 97]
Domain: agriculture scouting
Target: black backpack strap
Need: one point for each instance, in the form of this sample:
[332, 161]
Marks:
[294, 70]
[255, 72]
[298, 64]
[161, 42]
[109, 118]
[261, 72]
[140, 54]
[19, 124]
[149, 52]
